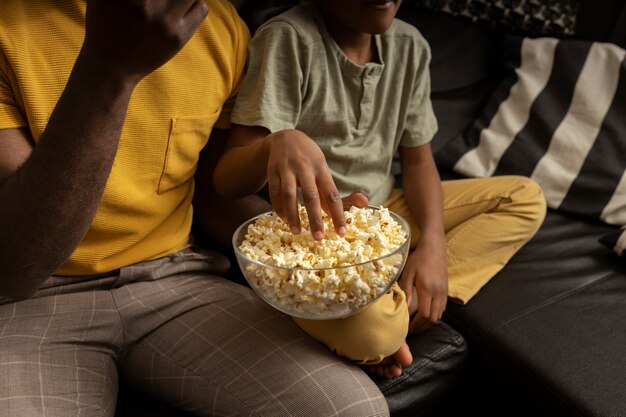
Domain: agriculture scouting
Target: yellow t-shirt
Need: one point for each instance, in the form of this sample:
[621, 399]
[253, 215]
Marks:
[146, 209]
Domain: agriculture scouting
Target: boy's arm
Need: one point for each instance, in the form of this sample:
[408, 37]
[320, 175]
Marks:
[217, 216]
[286, 160]
[245, 149]
[270, 96]
[426, 269]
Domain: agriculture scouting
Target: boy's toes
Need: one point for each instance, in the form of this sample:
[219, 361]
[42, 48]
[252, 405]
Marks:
[403, 356]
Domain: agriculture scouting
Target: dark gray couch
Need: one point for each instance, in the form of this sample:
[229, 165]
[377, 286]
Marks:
[547, 336]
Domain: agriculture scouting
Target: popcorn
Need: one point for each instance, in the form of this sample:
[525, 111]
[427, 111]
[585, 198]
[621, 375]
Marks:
[332, 277]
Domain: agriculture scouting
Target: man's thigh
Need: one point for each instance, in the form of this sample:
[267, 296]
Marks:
[57, 356]
[205, 344]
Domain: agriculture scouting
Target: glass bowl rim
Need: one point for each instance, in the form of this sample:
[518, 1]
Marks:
[401, 220]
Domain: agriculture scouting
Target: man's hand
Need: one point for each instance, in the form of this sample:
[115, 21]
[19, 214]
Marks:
[132, 38]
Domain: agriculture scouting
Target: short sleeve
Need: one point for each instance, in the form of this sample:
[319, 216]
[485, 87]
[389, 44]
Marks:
[420, 124]
[10, 114]
[271, 93]
[242, 38]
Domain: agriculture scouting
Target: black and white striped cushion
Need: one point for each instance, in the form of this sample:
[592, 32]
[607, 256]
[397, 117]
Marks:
[560, 118]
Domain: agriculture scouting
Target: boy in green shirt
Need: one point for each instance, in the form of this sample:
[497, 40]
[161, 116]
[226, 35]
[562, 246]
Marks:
[333, 90]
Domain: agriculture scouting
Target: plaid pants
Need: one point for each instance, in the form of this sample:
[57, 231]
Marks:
[174, 330]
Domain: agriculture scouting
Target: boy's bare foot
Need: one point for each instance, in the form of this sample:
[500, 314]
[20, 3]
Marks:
[391, 366]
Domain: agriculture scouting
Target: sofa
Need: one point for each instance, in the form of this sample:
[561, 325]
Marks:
[547, 335]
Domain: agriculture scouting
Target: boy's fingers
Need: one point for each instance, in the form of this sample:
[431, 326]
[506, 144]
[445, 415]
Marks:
[334, 205]
[416, 323]
[357, 199]
[288, 194]
[311, 197]
[331, 201]
[420, 321]
[443, 301]
[273, 188]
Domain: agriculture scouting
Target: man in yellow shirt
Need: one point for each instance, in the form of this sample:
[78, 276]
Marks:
[108, 111]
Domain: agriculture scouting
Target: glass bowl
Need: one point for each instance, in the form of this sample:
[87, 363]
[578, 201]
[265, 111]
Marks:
[324, 292]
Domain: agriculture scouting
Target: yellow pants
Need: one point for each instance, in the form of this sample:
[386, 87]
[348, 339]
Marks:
[486, 220]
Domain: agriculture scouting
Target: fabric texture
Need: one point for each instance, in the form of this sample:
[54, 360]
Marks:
[486, 220]
[440, 356]
[176, 332]
[301, 76]
[386, 321]
[528, 17]
[146, 208]
[558, 118]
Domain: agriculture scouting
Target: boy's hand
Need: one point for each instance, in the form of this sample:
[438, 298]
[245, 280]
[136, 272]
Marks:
[427, 272]
[296, 161]
[357, 199]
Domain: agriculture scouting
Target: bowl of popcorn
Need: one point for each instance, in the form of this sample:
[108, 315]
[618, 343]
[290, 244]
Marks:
[328, 279]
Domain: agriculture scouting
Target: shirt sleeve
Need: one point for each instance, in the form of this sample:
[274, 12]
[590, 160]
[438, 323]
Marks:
[271, 92]
[421, 123]
[242, 38]
[10, 114]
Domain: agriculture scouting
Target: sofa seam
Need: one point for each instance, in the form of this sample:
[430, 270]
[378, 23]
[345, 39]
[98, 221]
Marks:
[553, 300]
[429, 360]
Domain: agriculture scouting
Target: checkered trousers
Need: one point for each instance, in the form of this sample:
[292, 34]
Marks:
[174, 330]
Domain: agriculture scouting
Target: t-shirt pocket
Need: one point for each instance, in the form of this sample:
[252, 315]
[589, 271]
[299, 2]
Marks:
[188, 135]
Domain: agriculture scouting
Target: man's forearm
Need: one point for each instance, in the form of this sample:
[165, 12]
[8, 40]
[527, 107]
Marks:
[49, 203]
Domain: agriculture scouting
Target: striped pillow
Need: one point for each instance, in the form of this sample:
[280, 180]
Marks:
[560, 118]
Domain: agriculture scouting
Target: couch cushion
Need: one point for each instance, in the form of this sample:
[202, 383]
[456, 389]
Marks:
[462, 78]
[558, 118]
[439, 360]
[453, 64]
[602, 21]
[529, 17]
[616, 241]
[551, 324]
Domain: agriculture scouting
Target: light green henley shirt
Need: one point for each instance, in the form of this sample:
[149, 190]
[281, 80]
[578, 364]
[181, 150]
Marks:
[298, 77]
